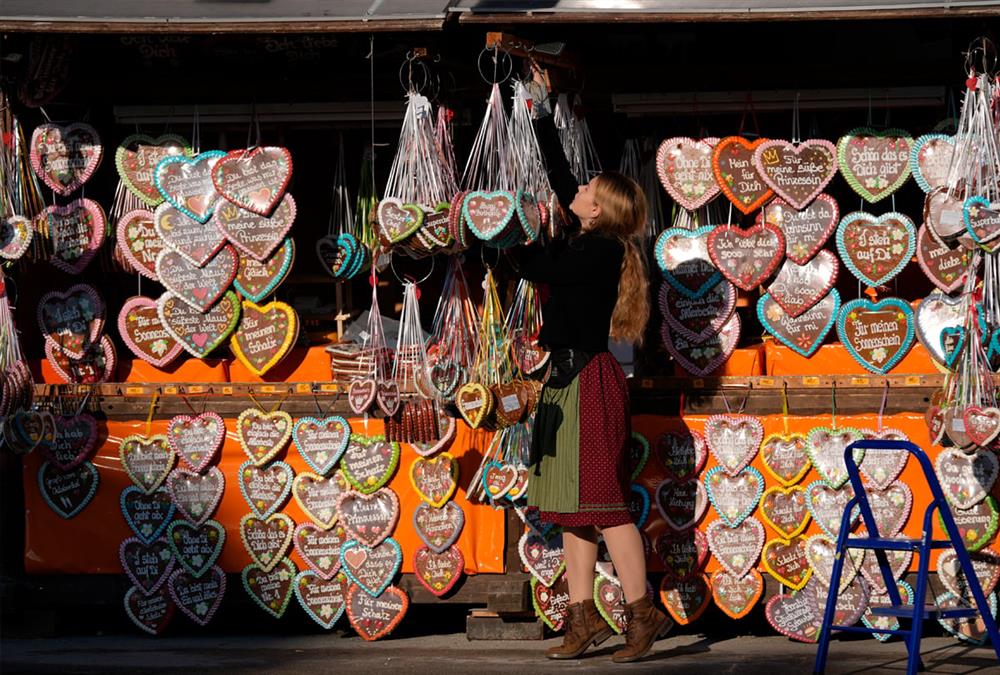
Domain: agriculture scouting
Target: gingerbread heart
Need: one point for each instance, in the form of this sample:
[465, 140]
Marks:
[946, 267]
[146, 565]
[186, 183]
[150, 613]
[699, 318]
[196, 547]
[266, 540]
[77, 231]
[371, 568]
[876, 248]
[65, 157]
[369, 462]
[982, 222]
[68, 492]
[96, 365]
[263, 435]
[438, 572]
[681, 503]
[71, 321]
[682, 453]
[890, 508]
[321, 442]
[319, 549]
[488, 213]
[435, 479]
[985, 565]
[374, 618]
[970, 629]
[806, 229]
[734, 497]
[976, 525]
[735, 595]
[396, 220]
[805, 333]
[257, 280]
[703, 358]
[982, 424]
[684, 166]
[882, 467]
[736, 175]
[361, 395]
[966, 478]
[542, 557]
[785, 457]
[746, 257]
[254, 179]
[736, 548]
[255, 235]
[935, 314]
[136, 159]
[265, 335]
[685, 600]
[826, 450]
[683, 554]
[368, 518]
[193, 240]
[797, 288]
[197, 332]
[16, 233]
[74, 439]
[318, 496]
[683, 258]
[143, 333]
[147, 515]
[944, 215]
[438, 528]
[785, 510]
[199, 287]
[733, 440]
[827, 504]
[265, 488]
[821, 550]
[796, 172]
[785, 560]
[874, 163]
[324, 600]
[270, 590]
[146, 459]
[196, 495]
[797, 616]
[198, 597]
[899, 563]
[930, 160]
[196, 439]
[877, 334]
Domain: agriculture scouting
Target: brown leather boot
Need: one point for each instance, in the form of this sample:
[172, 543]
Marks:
[645, 623]
[584, 627]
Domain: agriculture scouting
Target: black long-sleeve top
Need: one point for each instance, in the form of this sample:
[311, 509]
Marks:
[581, 270]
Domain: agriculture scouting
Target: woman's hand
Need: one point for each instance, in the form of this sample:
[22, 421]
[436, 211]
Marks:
[541, 77]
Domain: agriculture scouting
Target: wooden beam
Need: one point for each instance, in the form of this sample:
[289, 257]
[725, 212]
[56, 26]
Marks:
[542, 17]
[183, 27]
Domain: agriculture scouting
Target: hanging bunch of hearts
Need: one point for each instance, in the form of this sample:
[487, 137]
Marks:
[524, 323]
[373, 384]
[341, 251]
[23, 428]
[72, 325]
[414, 213]
[371, 557]
[67, 479]
[20, 191]
[453, 343]
[496, 204]
[265, 481]
[574, 134]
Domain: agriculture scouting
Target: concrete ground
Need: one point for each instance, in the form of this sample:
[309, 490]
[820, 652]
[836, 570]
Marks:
[452, 653]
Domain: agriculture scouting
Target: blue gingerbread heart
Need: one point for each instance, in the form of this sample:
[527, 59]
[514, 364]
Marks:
[682, 256]
[876, 334]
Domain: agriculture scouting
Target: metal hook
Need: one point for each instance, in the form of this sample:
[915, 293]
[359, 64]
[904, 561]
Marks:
[402, 280]
[500, 56]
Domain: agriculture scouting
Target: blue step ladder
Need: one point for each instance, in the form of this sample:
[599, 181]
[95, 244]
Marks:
[918, 612]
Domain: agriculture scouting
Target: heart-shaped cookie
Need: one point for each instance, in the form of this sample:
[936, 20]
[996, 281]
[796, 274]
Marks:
[805, 230]
[254, 179]
[65, 157]
[734, 497]
[146, 459]
[785, 458]
[982, 424]
[796, 172]
[683, 258]
[785, 510]
[96, 365]
[196, 547]
[371, 568]
[736, 175]
[785, 560]
[68, 492]
[396, 220]
[193, 240]
[198, 598]
[136, 159]
[699, 318]
[876, 248]
[684, 166]
[199, 333]
[703, 358]
[147, 515]
[805, 333]
[369, 462]
[821, 551]
[199, 287]
[736, 548]
[874, 163]
[985, 564]
[542, 557]
[146, 565]
[966, 478]
[936, 313]
[186, 183]
[982, 221]
[826, 451]
[255, 235]
[257, 280]
[683, 554]
[265, 488]
[265, 335]
[196, 495]
[681, 453]
[944, 216]
[318, 497]
[746, 257]
[324, 600]
[263, 435]
[945, 266]
[368, 518]
[271, 591]
[438, 572]
[681, 503]
[797, 616]
[890, 508]
[142, 331]
[149, 613]
[899, 563]
[930, 160]
[797, 288]
[196, 439]
[435, 479]
[266, 540]
[970, 629]
[361, 395]
[685, 600]
[321, 442]
[319, 549]
[551, 604]
[374, 618]
[16, 233]
[74, 439]
[827, 504]
[439, 528]
[877, 334]
[733, 440]
[77, 231]
[882, 467]
[736, 596]
[72, 320]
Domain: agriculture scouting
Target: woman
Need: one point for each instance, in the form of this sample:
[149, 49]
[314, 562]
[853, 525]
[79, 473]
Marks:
[597, 287]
